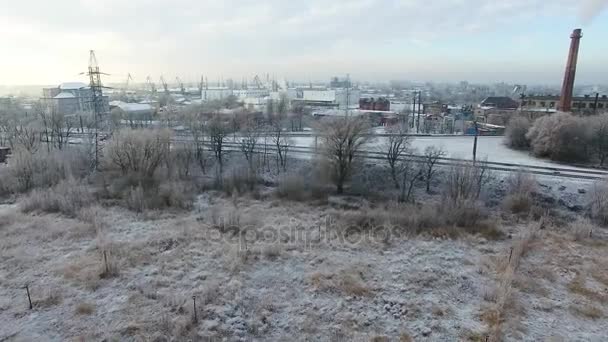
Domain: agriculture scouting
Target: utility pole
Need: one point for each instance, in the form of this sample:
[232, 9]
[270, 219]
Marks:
[475, 141]
[597, 99]
[414, 112]
[347, 93]
[418, 119]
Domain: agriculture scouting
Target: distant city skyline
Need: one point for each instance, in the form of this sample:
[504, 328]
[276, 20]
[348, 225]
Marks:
[519, 41]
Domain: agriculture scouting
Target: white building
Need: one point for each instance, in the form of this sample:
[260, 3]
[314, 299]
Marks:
[340, 98]
[215, 93]
[250, 93]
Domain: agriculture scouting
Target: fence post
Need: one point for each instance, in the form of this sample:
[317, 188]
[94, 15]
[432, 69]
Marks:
[194, 305]
[27, 288]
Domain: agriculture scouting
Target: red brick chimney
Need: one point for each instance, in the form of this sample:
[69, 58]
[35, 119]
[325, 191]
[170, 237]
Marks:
[565, 102]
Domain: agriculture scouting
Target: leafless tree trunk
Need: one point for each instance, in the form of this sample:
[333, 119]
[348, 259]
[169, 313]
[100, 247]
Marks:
[27, 137]
[197, 129]
[250, 136]
[432, 155]
[58, 127]
[410, 173]
[218, 132]
[397, 146]
[281, 142]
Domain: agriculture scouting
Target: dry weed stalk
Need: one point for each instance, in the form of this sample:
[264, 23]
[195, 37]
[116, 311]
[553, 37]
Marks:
[496, 314]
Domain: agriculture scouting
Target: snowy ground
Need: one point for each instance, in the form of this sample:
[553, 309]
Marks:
[291, 277]
[488, 148]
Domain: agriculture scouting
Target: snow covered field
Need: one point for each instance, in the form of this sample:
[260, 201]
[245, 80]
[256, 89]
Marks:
[292, 277]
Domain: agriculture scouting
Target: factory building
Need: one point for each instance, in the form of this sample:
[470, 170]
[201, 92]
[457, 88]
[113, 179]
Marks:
[579, 104]
[242, 94]
[334, 98]
[380, 104]
[71, 97]
[215, 93]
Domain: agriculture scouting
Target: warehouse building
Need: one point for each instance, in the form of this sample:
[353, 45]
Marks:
[71, 97]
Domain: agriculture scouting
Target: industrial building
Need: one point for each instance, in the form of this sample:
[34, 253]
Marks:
[499, 102]
[580, 104]
[144, 110]
[333, 98]
[71, 97]
[242, 94]
[215, 93]
[381, 104]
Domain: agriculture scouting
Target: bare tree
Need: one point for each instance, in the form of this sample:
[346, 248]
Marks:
[27, 136]
[432, 155]
[282, 106]
[409, 173]
[182, 158]
[599, 137]
[58, 127]
[138, 152]
[250, 135]
[197, 125]
[281, 143]
[397, 145]
[464, 182]
[343, 138]
[270, 110]
[297, 113]
[266, 132]
[218, 132]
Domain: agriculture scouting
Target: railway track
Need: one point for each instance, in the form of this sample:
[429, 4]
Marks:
[307, 152]
[575, 173]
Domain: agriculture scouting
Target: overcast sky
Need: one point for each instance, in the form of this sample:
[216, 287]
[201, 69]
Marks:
[47, 42]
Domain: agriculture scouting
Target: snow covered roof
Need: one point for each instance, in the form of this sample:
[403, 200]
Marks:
[72, 85]
[64, 95]
[133, 107]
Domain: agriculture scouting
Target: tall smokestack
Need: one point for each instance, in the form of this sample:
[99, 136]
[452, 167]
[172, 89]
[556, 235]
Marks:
[565, 102]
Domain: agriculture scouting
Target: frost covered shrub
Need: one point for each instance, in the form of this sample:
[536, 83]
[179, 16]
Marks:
[560, 136]
[292, 187]
[515, 135]
[519, 193]
[173, 194]
[598, 207]
[67, 198]
[465, 182]
[176, 195]
[238, 181]
[137, 153]
[445, 219]
[29, 170]
[140, 170]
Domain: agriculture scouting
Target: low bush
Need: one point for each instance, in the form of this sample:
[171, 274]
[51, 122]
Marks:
[293, 188]
[238, 181]
[598, 207]
[172, 194]
[68, 198]
[30, 170]
[144, 174]
[137, 153]
[560, 136]
[515, 134]
[465, 183]
[520, 189]
[441, 219]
